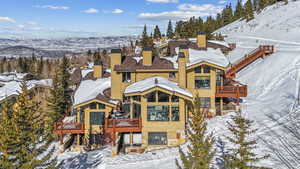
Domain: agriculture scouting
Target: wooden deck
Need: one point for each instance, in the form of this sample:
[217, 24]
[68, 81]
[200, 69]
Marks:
[260, 52]
[68, 128]
[123, 125]
[231, 91]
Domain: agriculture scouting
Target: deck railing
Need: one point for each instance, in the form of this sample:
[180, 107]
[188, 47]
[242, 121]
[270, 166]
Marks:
[123, 123]
[231, 91]
[68, 128]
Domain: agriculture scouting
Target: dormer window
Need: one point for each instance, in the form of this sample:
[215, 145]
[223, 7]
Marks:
[126, 77]
[206, 69]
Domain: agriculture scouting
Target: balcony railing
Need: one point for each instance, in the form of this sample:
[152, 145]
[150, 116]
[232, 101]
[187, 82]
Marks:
[68, 128]
[123, 125]
[231, 91]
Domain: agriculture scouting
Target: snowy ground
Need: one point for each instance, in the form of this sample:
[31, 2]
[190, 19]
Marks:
[273, 85]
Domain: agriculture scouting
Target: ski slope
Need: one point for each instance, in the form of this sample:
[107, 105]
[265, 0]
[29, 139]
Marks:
[273, 85]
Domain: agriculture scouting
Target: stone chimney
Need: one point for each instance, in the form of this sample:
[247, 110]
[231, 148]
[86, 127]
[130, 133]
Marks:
[147, 56]
[98, 69]
[184, 49]
[201, 40]
[182, 70]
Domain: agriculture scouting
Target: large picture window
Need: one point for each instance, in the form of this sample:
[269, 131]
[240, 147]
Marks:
[136, 110]
[157, 138]
[202, 82]
[163, 97]
[175, 113]
[151, 97]
[158, 113]
[97, 118]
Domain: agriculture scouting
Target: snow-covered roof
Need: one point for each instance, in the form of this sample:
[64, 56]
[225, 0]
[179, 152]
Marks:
[223, 43]
[138, 58]
[13, 87]
[6, 77]
[84, 72]
[156, 81]
[213, 56]
[90, 89]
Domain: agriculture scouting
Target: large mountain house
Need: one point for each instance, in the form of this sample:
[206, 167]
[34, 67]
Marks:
[142, 105]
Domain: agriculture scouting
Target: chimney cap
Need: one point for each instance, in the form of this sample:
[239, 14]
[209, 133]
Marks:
[116, 51]
[181, 55]
[147, 48]
[183, 47]
[201, 33]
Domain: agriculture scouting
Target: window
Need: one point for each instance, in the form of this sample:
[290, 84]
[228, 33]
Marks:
[126, 77]
[175, 113]
[202, 82]
[172, 75]
[136, 98]
[158, 113]
[206, 69]
[93, 105]
[163, 97]
[97, 118]
[126, 108]
[126, 99]
[81, 116]
[198, 69]
[136, 110]
[175, 98]
[157, 138]
[205, 102]
[101, 106]
[151, 97]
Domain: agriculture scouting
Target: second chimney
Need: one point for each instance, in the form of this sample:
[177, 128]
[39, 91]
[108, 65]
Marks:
[147, 56]
[98, 69]
[201, 40]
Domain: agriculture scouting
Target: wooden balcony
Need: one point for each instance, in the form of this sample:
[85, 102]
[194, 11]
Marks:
[68, 128]
[231, 91]
[123, 125]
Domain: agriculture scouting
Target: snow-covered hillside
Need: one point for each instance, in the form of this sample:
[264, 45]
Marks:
[273, 85]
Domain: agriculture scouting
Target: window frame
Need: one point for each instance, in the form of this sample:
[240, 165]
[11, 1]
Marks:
[126, 77]
[162, 138]
[97, 114]
[198, 85]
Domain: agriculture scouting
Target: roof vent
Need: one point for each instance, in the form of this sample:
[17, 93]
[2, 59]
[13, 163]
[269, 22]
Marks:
[156, 81]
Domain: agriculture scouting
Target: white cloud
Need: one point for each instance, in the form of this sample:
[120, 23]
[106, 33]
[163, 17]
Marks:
[52, 7]
[20, 27]
[117, 11]
[185, 11]
[91, 10]
[222, 1]
[201, 8]
[31, 23]
[163, 1]
[6, 19]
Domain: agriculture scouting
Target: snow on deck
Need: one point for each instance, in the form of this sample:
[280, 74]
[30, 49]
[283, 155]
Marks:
[90, 89]
[213, 56]
[13, 87]
[164, 83]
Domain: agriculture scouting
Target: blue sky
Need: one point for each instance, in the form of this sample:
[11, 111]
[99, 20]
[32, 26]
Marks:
[64, 18]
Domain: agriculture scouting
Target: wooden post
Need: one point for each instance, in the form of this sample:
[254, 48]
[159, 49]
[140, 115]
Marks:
[61, 138]
[238, 95]
[114, 132]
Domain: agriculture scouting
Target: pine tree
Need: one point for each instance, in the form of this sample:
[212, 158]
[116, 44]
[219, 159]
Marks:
[201, 152]
[157, 33]
[64, 82]
[170, 33]
[146, 40]
[54, 105]
[8, 134]
[249, 10]
[239, 10]
[25, 125]
[242, 156]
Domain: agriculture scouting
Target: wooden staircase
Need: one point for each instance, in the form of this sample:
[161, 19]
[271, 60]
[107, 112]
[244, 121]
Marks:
[260, 52]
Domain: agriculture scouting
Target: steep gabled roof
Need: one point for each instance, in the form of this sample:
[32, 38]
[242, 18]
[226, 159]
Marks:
[157, 81]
